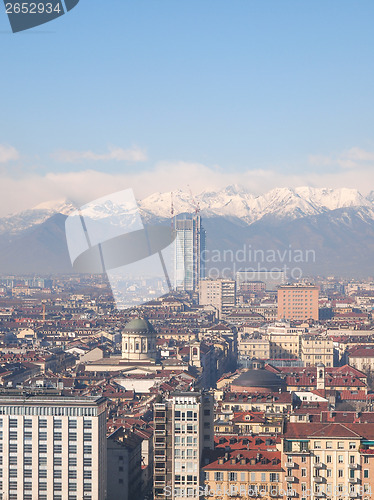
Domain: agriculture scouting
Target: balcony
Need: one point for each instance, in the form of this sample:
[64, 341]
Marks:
[160, 484]
[160, 432]
[319, 494]
[354, 466]
[353, 494]
[160, 444]
[160, 458]
[319, 465]
[290, 479]
[353, 480]
[319, 479]
[290, 465]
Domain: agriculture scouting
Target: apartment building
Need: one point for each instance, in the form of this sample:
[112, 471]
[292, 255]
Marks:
[258, 347]
[298, 302]
[52, 447]
[317, 349]
[243, 474]
[183, 429]
[284, 340]
[328, 460]
[220, 293]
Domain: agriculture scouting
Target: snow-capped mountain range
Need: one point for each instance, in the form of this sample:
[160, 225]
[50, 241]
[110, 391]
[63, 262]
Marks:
[230, 202]
[336, 224]
[234, 201]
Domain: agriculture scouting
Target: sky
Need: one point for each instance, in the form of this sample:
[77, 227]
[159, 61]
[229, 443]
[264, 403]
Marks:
[159, 95]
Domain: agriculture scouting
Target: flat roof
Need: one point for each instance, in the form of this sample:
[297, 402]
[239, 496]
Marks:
[36, 399]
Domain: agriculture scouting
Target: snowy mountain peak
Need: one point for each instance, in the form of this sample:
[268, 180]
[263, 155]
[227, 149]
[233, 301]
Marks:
[235, 201]
[62, 206]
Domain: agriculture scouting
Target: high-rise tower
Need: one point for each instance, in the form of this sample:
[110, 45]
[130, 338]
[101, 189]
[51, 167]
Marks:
[189, 265]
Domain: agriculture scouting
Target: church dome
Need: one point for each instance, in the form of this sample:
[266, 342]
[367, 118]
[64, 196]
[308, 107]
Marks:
[259, 380]
[139, 326]
[139, 341]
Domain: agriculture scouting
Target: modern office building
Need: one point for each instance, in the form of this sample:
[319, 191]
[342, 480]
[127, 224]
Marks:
[52, 447]
[298, 302]
[183, 429]
[189, 266]
[220, 293]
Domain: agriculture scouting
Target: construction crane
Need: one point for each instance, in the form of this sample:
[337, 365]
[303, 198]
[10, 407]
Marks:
[195, 203]
[172, 210]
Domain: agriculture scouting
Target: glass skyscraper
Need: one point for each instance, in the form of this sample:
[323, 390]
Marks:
[190, 244]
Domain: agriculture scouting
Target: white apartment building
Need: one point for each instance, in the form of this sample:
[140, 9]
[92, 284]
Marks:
[52, 447]
[220, 293]
[183, 428]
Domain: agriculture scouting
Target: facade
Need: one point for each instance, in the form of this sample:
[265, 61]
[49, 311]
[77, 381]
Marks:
[244, 474]
[362, 358]
[220, 293]
[189, 265]
[298, 302]
[284, 340]
[183, 429]
[317, 349]
[328, 460]
[124, 455]
[258, 347]
[52, 447]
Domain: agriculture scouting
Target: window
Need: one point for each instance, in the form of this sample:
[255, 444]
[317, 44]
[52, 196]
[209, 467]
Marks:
[263, 477]
[329, 445]
[340, 445]
[328, 459]
[352, 445]
[233, 476]
[317, 445]
[87, 424]
[366, 473]
[340, 459]
[303, 472]
[218, 476]
[340, 473]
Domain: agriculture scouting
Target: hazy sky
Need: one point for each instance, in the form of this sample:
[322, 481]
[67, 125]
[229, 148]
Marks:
[158, 94]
